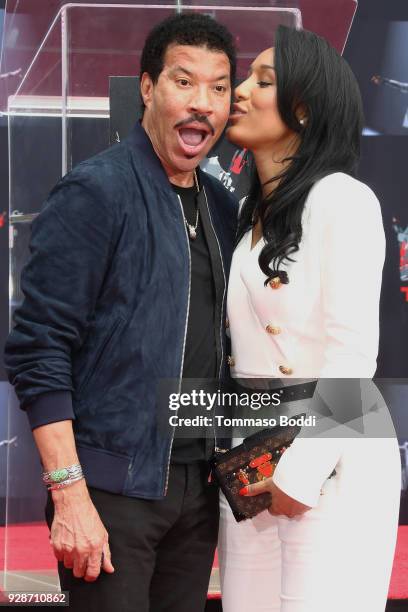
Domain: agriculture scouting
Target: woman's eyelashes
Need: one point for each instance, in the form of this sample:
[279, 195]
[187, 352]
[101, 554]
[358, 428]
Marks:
[264, 83]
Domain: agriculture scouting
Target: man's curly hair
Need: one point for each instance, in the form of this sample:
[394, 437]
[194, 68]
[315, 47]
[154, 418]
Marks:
[193, 29]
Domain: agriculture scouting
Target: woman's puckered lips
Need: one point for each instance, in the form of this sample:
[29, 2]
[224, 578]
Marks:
[238, 110]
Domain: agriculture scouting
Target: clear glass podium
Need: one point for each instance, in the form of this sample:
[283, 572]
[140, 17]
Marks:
[57, 59]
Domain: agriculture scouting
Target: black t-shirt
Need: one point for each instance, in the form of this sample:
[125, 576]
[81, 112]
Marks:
[200, 359]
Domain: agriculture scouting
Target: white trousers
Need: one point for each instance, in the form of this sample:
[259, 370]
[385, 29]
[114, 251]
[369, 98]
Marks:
[337, 556]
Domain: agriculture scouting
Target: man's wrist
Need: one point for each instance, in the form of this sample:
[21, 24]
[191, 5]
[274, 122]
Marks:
[61, 475]
[74, 491]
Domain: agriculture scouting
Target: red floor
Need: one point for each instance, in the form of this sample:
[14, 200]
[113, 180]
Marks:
[29, 549]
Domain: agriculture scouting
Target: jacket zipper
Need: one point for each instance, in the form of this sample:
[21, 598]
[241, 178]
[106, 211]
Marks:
[222, 303]
[185, 338]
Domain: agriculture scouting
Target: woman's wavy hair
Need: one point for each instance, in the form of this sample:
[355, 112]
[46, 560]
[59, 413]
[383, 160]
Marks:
[314, 81]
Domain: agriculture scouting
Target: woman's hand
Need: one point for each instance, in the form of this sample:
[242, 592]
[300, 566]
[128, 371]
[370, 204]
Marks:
[282, 504]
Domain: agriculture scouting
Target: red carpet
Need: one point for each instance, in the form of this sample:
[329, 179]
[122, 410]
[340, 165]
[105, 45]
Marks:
[29, 549]
[399, 578]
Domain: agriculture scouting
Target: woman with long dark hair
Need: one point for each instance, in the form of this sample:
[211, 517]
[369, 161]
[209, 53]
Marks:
[303, 302]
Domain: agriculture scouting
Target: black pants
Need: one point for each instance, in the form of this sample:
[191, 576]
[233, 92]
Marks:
[162, 551]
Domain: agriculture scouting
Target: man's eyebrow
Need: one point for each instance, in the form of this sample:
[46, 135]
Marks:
[181, 69]
[190, 74]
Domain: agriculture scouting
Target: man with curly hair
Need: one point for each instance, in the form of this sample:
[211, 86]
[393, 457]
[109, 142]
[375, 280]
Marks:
[125, 286]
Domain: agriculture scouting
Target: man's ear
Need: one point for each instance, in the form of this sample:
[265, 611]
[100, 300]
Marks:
[146, 88]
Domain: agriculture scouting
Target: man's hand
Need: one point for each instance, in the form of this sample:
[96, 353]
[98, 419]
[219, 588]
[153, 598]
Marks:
[282, 504]
[78, 536]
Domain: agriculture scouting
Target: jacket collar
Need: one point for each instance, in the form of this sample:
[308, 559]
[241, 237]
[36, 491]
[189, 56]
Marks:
[142, 149]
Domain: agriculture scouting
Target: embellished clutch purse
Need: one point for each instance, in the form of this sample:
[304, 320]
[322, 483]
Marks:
[253, 460]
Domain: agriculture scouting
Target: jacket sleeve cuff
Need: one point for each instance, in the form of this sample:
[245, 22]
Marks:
[305, 466]
[50, 408]
[306, 495]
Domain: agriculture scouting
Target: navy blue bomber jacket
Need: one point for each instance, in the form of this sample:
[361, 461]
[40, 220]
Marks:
[105, 311]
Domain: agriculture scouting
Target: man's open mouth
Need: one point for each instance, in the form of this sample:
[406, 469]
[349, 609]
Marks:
[191, 136]
[192, 140]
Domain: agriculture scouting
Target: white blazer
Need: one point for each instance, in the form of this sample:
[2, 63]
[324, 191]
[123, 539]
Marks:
[323, 324]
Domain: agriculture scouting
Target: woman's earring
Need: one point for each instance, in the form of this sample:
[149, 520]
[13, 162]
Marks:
[302, 121]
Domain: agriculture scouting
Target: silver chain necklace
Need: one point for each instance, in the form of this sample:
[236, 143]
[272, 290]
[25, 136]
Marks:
[192, 229]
